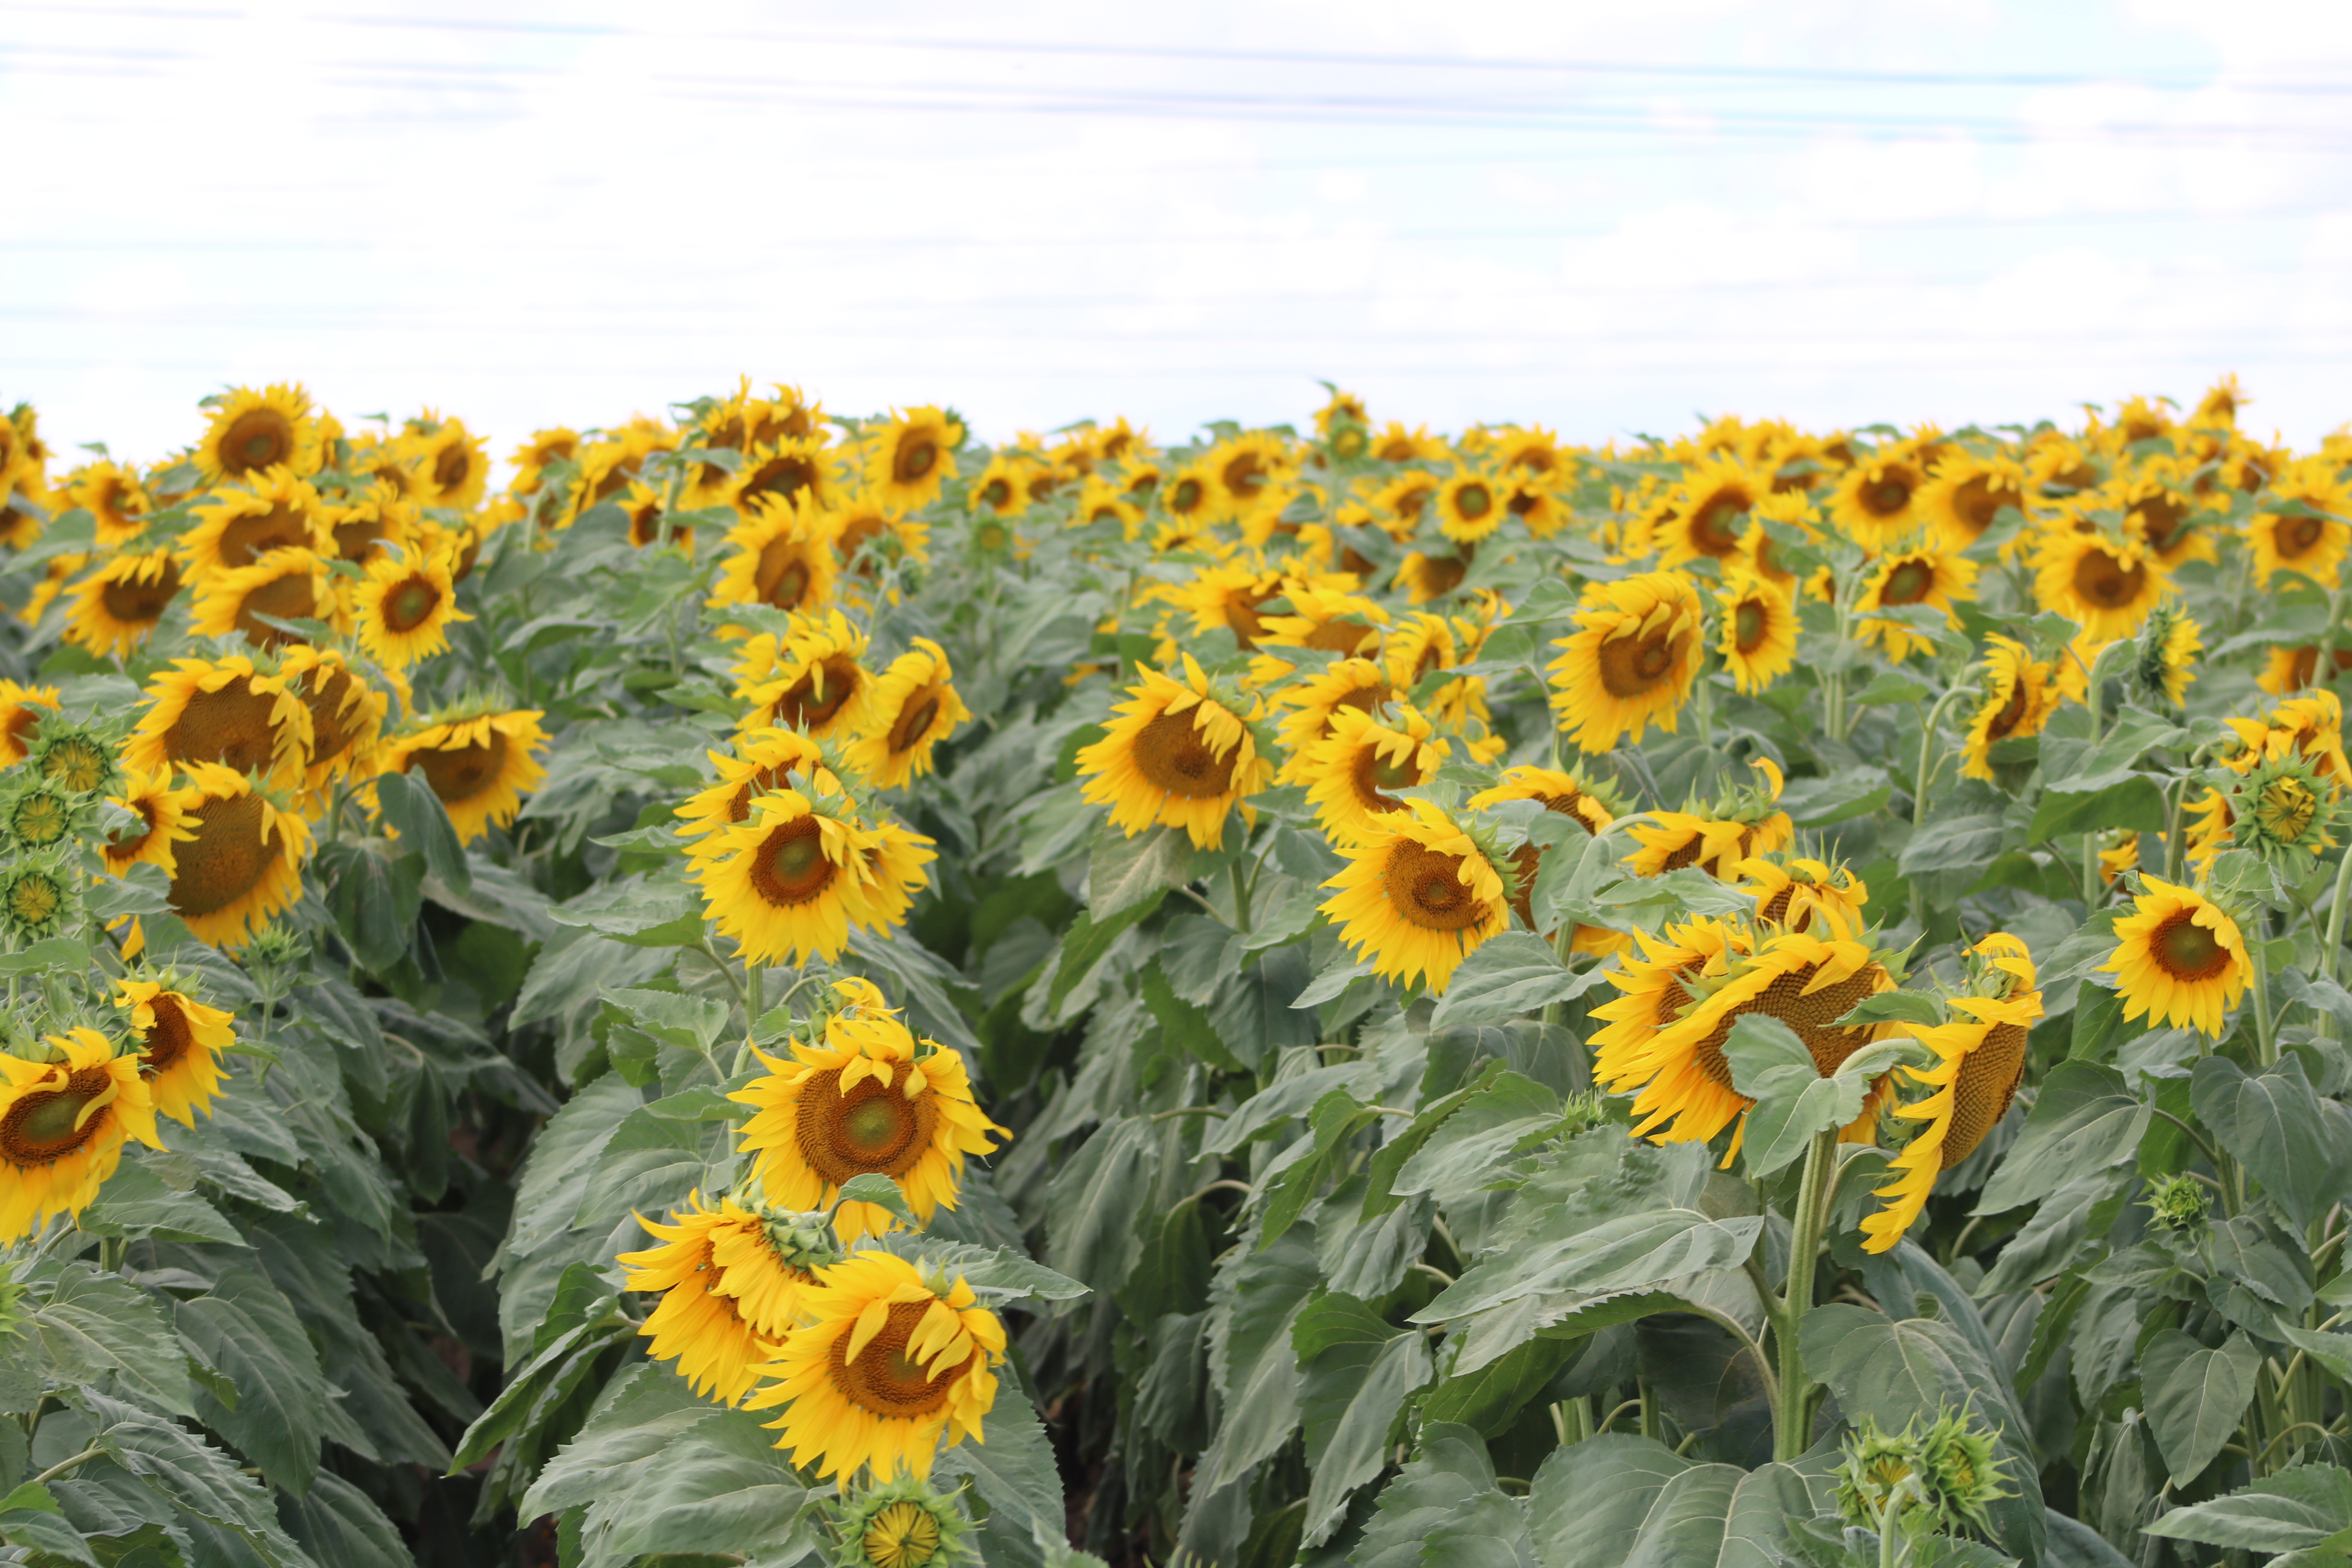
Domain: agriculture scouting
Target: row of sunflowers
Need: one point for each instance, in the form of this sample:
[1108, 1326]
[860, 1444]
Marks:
[783, 984]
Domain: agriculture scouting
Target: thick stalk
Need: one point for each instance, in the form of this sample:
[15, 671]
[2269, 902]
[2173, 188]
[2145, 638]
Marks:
[1928, 761]
[2334, 950]
[1811, 1216]
[2091, 888]
[2266, 1032]
[1240, 897]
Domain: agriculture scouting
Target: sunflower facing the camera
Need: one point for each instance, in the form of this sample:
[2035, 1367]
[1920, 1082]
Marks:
[1177, 753]
[480, 764]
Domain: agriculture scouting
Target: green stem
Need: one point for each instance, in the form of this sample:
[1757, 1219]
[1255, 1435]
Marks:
[2266, 1033]
[2091, 889]
[1928, 761]
[2334, 950]
[1812, 1218]
[62, 1466]
[1241, 899]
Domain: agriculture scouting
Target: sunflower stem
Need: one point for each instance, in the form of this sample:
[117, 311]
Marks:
[1811, 1216]
[2333, 949]
[1240, 897]
[2266, 1033]
[2091, 887]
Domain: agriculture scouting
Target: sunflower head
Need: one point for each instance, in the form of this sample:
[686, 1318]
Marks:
[38, 814]
[76, 755]
[902, 1523]
[480, 762]
[1421, 894]
[181, 1041]
[2105, 583]
[1178, 753]
[2164, 658]
[63, 1123]
[2180, 957]
[241, 865]
[1806, 895]
[38, 898]
[2177, 1202]
[1630, 662]
[1760, 629]
[252, 432]
[2284, 807]
[1918, 1482]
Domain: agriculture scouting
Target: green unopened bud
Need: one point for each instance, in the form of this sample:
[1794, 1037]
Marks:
[2177, 1202]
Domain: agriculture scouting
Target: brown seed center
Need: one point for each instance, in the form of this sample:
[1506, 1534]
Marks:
[1424, 889]
[1174, 757]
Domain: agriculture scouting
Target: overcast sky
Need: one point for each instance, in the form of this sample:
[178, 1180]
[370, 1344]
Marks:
[1603, 217]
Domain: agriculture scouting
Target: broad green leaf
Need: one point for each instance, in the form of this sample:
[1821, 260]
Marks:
[1490, 1397]
[993, 1271]
[1186, 1024]
[94, 1322]
[1124, 871]
[2299, 1507]
[1506, 975]
[1449, 1470]
[880, 1190]
[194, 1475]
[2271, 1121]
[247, 1329]
[416, 814]
[1467, 1150]
[29, 1520]
[1954, 844]
[1261, 1294]
[1085, 943]
[338, 1523]
[1014, 1471]
[1847, 794]
[649, 912]
[2195, 1397]
[1621, 1254]
[1358, 1371]
[135, 1202]
[1620, 1502]
[1093, 1203]
[2085, 1120]
[1793, 1101]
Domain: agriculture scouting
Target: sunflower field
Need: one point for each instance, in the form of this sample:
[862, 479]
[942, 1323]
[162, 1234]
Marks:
[781, 987]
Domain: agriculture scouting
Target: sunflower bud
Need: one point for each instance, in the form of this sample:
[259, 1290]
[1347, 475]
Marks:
[903, 1524]
[2177, 1202]
[1938, 1481]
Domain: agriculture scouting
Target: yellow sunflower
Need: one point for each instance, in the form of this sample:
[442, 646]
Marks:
[404, 609]
[1352, 770]
[2103, 586]
[347, 715]
[181, 1042]
[252, 432]
[1241, 470]
[481, 766]
[1569, 795]
[1229, 596]
[532, 459]
[910, 458]
[1741, 825]
[1418, 896]
[791, 878]
[2312, 726]
[1760, 630]
[1307, 705]
[1175, 754]
[450, 460]
[1707, 516]
[2311, 545]
[785, 557]
[385, 468]
[118, 503]
[1003, 487]
[1470, 506]
[118, 607]
[1874, 501]
[285, 584]
[764, 759]
[699, 1323]
[1395, 444]
[1399, 507]
[796, 469]
[221, 710]
[2018, 699]
[2179, 958]
[62, 1128]
[914, 708]
[1803, 893]
[237, 528]
[2165, 656]
[882, 534]
[1189, 495]
[1424, 577]
[242, 864]
[890, 1363]
[1921, 575]
[870, 1100]
[1979, 1062]
[369, 520]
[2290, 669]
[163, 811]
[1964, 494]
[1631, 661]
[1100, 500]
[1327, 617]
[813, 679]
[2161, 511]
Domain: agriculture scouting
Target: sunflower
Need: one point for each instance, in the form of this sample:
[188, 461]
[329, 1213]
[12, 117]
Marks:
[35, 813]
[1327, 618]
[1177, 754]
[36, 898]
[1569, 795]
[2120, 855]
[1874, 502]
[2103, 586]
[237, 528]
[764, 759]
[1707, 516]
[2312, 726]
[2059, 464]
[117, 503]
[386, 468]
[404, 607]
[481, 766]
[700, 1321]
[2290, 669]
[902, 1524]
[2018, 699]
[1800, 894]
[893, 860]
[1760, 551]
[890, 1363]
[62, 1128]
[347, 715]
[1399, 507]
[1418, 896]
[118, 607]
[1923, 575]
[181, 1042]
[285, 584]
[1242, 469]
[790, 469]
[221, 710]
[1229, 596]
[1667, 1032]
[913, 708]
[1964, 494]
[2210, 827]
[1470, 506]
[1424, 577]
[814, 682]
[870, 1100]
[2282, 805]
[791, 878]
[1979, 1062]
[163, 813]
[1308, 704]
[1631, 661]
[2309, 543]
[369, 521]
[2164, 661]
[1350, 772]
[909, 458]
[881, 534]
[252, 432]
[533, 458]
[2160, 509]
[1760, 630]
[242, 866]
[1003, 488]
[449, 460]
[1742, 824]
[2179, 958]
[784, 556]
[1395, 444]
[1100, 500]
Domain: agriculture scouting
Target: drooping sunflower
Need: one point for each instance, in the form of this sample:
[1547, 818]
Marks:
[163, 809]
[1630, 662]
[1176, 753]
[252, 432]
[117, 503]
[450, 460]
[869, 1099]
[1100, 500]
[1351, 770]
[1874, 501]
[237, 528]
[700, 1324]
[792, 469]
[1980, 1059]
[2164, 663]
[765, 759]
[914, 708]
[1707, 516]
[893, 859]
[814, 682]
[1418, 897]
[2179, 957]
[118, 607]
[1964, 493]
[2313, 541]
[242, 866]
[1228, 597]
[1743, 823]
[2018, 700]
[1922, 575]
[791, 878]
[1470, 506]
[62, 1128]
[890, 1363]
[291, 585]
[1760, 630]
[1802, 894]
[785, 556]
[181, 1042]
[222, 710]
[480, 765]
[532, 459]
[2105, 586]
[910, 458]
[347, 714]
[22, 708]
[404, 607]
[1537, 506]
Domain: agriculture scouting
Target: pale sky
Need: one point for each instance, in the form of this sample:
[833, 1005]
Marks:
[1600, 217]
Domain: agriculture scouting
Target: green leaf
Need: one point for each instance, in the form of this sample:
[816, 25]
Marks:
[1085, 943]
[136, 1203]
[1123, 872]
[1358, 1371]
[1968, 842]
[1380, 1174]
[1622, 1254]
[1618, 1502]
[654, 912]
[144, 890]
[1506, 975]
[2195, 1397]
[2086, 1120]
[1847, 794]
[1093, 1202]
[1467, 1150]
[1187, 1027]
[248, 1330]
[2299, 1507]
[338, 1523]
[689, 1023]
[2135, 804]
[1014, 1471]
[192, 1473]
[1490, 1397]
[2271, 1121]
[872, 1187]
[1794, 1100]
[1448, 1470]
[95, 1322]
[375, 898]
[51, 952]
[995, 1271]
[1262, 1294]
[412, 811]
[1896, 1007]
